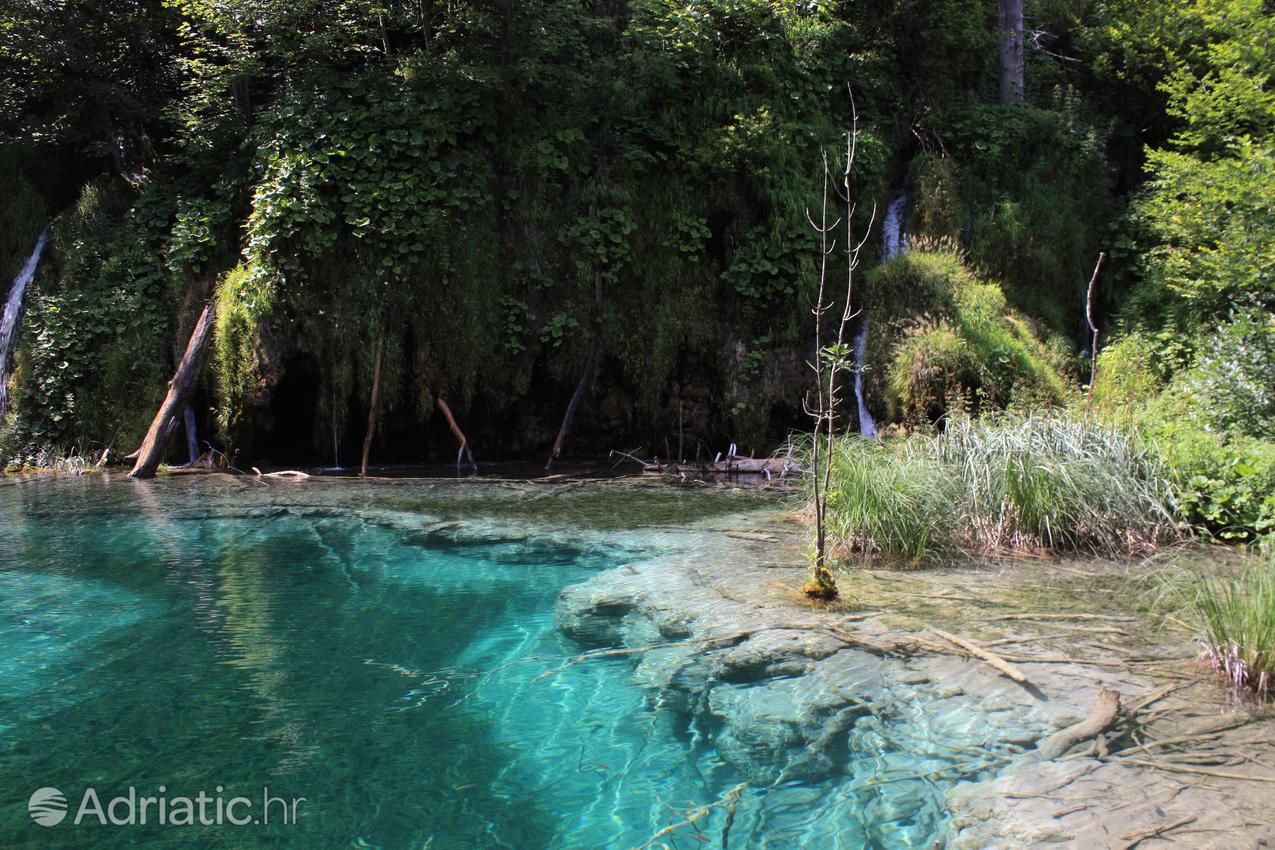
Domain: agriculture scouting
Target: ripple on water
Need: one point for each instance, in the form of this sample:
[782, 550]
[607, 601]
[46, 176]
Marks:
[379, 654]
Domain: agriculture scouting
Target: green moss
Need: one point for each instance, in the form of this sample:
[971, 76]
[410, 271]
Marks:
[940, 336]
[934, 369]
[240, 297]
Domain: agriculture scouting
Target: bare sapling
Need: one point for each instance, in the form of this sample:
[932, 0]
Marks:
[834, 360]
[1093, 326]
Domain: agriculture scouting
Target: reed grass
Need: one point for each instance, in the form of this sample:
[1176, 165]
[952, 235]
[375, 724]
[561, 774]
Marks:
[1046, 481]
[1237, 615]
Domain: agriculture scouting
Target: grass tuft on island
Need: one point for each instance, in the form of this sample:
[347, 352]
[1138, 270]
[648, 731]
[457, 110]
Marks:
[1015, 483]
[1238, 617]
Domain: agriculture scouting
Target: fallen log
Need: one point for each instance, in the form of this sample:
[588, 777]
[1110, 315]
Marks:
[774, 467]
[293, 474]
[180, 389]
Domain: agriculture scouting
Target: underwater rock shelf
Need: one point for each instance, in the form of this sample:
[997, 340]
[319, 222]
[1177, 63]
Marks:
[918, 744]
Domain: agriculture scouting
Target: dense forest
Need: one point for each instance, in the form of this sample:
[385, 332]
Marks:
[484, 207]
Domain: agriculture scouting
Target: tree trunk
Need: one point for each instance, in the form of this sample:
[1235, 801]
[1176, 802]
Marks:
[571, 405]
[180, 389]
[371, 413]
[464, 452]
[584, 378]
[1010, 27]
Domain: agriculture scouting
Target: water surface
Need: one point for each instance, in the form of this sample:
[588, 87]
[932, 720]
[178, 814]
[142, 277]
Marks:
[372, 647]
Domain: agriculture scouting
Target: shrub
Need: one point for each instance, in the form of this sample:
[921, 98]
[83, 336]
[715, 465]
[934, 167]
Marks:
[1224, 486]
[1214, 425]
[1127, 376]
[1233, 379]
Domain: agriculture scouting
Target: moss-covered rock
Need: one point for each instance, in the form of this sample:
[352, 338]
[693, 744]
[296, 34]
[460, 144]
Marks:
[941, 336]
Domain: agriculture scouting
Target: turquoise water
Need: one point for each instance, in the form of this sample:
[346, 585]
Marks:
[372, 648]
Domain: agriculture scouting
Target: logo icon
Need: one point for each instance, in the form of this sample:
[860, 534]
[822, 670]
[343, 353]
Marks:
[47, 806]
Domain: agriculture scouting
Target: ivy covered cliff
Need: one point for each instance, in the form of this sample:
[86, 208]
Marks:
[503, 201]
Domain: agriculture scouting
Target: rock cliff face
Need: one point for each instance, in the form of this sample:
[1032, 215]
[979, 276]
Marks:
[919, 744]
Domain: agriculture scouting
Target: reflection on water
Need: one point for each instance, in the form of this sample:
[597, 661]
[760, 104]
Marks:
[371, 647]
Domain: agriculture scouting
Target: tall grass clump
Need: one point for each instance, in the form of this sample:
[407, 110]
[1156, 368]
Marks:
[887, 502]
[1056, 481]
[1013, 483]
[1238, 618]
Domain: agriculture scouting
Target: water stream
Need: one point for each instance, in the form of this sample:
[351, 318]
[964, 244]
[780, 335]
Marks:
[893, 241]
[12, 312]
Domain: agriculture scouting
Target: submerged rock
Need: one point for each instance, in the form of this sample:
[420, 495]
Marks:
[917, 747]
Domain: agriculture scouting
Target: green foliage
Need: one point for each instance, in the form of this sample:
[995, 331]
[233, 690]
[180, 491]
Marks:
[1211, 422]
[236, 337]
[1225, 484]
[1205, 220]
[934, 370]
[456, 179]
[1027, 190]
[1210, 225]
[94, 328]
[1128, 376]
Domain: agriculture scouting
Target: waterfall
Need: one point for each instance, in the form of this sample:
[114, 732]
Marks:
[9, 321]
[867, 427]
[893, 242]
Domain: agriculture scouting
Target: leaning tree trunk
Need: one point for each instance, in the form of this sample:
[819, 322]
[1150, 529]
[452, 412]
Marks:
[584, 378]
[180, 389]
[463, 453]
[1010, 53]
[571, 405]
[371, 413]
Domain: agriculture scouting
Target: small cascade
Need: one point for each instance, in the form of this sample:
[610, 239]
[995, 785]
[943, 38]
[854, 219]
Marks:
[894, 236]
[12, 310]
[894, 227]
[867, 427]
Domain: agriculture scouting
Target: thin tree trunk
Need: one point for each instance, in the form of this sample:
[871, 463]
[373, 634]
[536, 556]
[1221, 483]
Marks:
[336, 441]
[571, 405]
[1010, 53]
[180, 389]
[1093, 326]
[371, 413]
[464, 452]
[584, 378]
